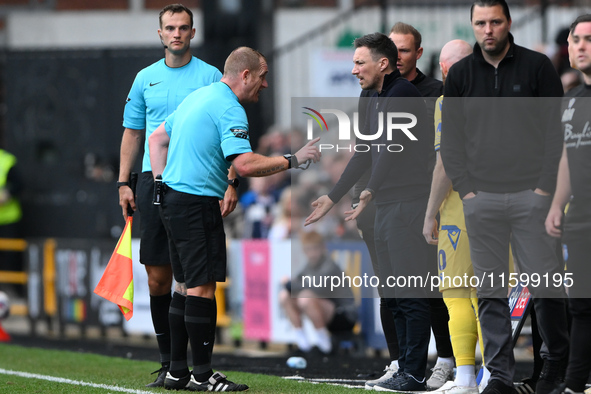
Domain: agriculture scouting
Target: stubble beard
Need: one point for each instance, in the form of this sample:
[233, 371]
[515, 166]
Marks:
[497, 49]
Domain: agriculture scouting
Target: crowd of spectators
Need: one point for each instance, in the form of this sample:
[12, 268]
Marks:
[275, 207]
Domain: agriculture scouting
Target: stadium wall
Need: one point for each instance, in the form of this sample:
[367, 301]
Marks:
[62, 274]
[299, 72]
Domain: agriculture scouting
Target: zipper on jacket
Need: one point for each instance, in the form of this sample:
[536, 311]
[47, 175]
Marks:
[496, 78]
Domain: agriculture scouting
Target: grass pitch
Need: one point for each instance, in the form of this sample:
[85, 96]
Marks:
[33, 370]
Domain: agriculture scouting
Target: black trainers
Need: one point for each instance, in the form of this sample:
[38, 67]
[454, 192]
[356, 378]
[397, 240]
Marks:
[401, 381]
[495, 386]
[159, 382]
[551, 377]
[527, 386]
[172, 383]
[217, 382]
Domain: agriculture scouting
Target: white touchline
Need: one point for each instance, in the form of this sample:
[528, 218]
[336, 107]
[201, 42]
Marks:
[321, 380]
[347, 383]
[74, 382]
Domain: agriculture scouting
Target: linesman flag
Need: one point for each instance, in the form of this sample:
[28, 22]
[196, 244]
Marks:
[116, 284]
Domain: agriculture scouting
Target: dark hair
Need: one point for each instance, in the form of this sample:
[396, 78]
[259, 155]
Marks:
[580, 19]
[379, 45]
[405, 28]
[491, 3]
[173, 9]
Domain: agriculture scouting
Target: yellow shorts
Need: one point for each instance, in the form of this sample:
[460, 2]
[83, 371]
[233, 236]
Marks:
[453, 258]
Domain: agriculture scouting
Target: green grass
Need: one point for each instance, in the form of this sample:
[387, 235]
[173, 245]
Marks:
[113, 371]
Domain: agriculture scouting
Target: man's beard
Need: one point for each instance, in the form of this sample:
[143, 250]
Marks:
[497, 49]
[371, 86]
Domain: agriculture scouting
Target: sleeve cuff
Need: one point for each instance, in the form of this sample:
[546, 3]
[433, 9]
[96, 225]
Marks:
[547, 186]
[334, 197]
[371, 191]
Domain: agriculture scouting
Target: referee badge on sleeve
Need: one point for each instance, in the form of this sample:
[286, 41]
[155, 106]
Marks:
[240, 133]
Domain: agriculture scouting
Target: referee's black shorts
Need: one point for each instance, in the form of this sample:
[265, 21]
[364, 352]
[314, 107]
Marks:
[154, 242]
[196, 237]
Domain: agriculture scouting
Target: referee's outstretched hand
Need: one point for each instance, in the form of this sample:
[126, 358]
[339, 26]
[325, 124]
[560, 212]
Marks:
[309, 152]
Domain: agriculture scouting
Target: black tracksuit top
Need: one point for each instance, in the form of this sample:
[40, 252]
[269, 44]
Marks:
[502, 145]
[395, 176]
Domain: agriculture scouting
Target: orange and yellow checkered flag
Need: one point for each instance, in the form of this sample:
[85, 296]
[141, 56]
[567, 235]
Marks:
[116, 284]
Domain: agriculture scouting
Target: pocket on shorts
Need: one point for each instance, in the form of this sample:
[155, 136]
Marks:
[175, 215]
[212, 216]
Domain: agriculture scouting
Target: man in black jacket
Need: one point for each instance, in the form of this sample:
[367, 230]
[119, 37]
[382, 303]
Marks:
[408, 42]
[399, 185]
[574, 187]
[502, 157]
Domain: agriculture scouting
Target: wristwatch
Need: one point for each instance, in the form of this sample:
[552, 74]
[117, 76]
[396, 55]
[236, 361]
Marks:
[234, 182]
[119, 184]
[292, 161]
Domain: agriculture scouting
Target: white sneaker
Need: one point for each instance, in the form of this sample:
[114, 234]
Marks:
[483, 384]
[442, 372]
[569, 391]
[450, 387]
[390, 370]
[446, 387]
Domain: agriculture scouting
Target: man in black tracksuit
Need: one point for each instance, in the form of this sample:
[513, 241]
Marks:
[574, 187]
[408, 43]
[502, 157]
[399, 184]
[428, 87]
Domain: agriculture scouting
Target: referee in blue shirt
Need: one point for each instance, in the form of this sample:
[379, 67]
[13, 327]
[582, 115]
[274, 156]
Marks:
[193, 150]
[156, 92]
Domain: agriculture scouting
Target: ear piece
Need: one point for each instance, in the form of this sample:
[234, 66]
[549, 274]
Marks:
[162, 41]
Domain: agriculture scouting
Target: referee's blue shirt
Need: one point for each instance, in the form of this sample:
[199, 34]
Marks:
[158, 90]
[208, 126]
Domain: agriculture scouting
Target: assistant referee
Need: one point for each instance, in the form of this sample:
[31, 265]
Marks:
[156, 92]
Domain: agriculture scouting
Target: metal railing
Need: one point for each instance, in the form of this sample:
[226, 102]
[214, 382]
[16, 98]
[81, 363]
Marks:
[14, 277]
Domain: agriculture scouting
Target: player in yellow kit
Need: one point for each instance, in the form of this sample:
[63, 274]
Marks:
[453, 255]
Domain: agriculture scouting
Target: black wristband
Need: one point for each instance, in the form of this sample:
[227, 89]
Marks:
[119, 184]
[292, 161]
[234, 182]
